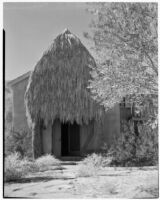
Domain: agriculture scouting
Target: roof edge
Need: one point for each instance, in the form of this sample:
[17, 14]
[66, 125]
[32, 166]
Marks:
[19, 79]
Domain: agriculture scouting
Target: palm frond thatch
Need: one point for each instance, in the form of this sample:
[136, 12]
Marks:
[58, 85]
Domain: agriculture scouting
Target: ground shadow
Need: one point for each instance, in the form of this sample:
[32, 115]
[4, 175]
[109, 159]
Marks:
[147, 168]
[59, 168]
[69, 163]
[38, 179]
[113, 175]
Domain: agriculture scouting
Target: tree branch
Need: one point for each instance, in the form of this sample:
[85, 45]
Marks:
[153, 66]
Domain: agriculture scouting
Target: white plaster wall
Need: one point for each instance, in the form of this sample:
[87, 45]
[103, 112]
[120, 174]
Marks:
[111, 126]
[47, 140]
[56, 131]
[19, 112]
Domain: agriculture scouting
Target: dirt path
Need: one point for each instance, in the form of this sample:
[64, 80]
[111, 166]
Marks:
[63, 182]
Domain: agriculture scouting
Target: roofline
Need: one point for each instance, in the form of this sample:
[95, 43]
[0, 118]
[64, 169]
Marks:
[20, 78]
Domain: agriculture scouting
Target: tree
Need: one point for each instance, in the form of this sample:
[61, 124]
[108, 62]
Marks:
[126, 43]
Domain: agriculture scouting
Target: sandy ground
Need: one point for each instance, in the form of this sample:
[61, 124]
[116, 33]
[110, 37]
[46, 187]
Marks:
[62, 182]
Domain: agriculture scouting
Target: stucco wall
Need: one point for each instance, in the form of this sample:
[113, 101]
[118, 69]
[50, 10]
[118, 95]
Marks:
[111, 126]
[100, 133]
[51, 139]
[19, 113]
[56, 131]
[89, 137]
[47, 139]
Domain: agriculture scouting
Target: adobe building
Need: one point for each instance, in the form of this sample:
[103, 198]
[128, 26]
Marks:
[53, 102]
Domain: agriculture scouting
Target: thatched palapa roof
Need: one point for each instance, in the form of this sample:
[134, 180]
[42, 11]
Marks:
[58, 85]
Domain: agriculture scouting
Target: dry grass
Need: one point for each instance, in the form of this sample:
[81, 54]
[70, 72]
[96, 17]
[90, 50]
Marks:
[16, 168]
[46, 162]
[92, 164]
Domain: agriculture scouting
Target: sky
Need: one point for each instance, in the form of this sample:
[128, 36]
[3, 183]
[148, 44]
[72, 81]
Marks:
[31, 28]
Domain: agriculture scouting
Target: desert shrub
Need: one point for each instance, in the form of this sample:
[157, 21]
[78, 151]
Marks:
[94, 159]
[90, 165]
[46, 162]
[16, 167]
[134, 149]
[147, 145]
[97, 159]
[20, 142]
[87, 170]
[13, 167]
[30, 166]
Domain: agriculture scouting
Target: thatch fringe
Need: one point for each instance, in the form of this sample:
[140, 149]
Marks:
[58, 85]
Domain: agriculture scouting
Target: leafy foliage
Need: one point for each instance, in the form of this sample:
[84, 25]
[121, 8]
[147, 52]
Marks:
[126, 43]
[135, 150]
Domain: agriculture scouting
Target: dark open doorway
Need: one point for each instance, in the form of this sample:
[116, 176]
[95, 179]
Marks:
[70, 139]
[64, 139]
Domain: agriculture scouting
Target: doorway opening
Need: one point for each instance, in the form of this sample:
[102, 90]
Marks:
[70, 139]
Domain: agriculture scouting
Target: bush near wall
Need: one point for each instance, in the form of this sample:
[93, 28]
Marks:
[133, 150]
[20, 142]
[128, 150]
[16, 168]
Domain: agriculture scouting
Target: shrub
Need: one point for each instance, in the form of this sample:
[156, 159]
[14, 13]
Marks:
[20, 142]
[98, 160]
[92, 164]
[13, 169]
[94, 159]
[29, 166]
[147, 145]
[135, 150]
[46, 162]
[16, 168]
[87, 170]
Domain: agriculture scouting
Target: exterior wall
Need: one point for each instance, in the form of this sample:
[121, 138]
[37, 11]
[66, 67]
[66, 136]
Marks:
[101, 133]
[51, 139]
[56, 131]
[19, 113]
[111, 126]
[47, 139]
[89, 137]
